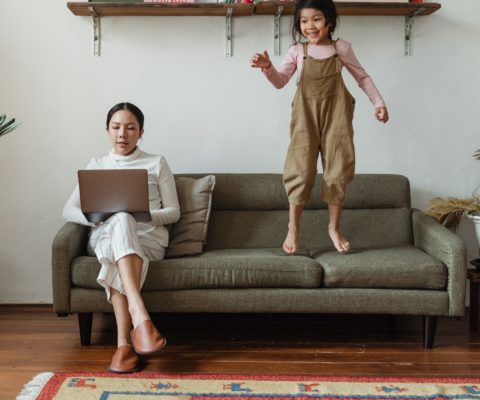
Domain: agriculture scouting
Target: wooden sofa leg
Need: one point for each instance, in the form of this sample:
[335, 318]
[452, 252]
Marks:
[429, 328]
[85, 324]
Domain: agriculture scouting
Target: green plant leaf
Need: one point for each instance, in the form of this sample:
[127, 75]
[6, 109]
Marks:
[12, 128]
[4, 126]
[7, 127]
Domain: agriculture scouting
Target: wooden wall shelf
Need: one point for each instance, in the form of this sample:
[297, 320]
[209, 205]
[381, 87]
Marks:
[270, 7]
[266, 7]
[276, 8]
[159, 9]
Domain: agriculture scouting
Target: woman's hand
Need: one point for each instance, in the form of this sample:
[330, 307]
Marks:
[381, 113]
[261, 60]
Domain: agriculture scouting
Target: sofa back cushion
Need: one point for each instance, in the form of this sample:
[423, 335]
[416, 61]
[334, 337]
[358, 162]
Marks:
[189, 233]
[251, 211]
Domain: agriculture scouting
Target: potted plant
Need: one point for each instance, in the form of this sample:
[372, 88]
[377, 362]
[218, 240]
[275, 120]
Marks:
[7, 126]
[450, 210]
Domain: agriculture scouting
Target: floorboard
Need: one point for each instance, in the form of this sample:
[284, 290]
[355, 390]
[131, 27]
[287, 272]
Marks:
[33, 340]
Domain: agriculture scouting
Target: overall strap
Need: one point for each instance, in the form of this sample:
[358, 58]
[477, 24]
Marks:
[334, 44]
[300, 76]
[339, 64]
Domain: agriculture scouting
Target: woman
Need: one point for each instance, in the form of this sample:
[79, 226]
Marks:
[123, 246]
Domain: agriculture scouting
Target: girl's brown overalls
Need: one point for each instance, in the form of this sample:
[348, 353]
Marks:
[322, 116]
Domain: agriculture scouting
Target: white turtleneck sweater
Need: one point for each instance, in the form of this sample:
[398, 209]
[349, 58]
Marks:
[162, 192]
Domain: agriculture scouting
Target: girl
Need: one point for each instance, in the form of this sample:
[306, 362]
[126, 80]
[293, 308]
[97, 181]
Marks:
[123, 246]
[322, 113]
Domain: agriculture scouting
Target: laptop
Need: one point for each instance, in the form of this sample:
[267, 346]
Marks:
[104, 192]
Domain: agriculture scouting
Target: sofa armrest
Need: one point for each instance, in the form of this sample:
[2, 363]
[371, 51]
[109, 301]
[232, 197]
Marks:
[69, 243]
[441, 243]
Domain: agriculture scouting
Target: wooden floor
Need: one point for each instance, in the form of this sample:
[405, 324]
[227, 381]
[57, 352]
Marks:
[33, 340]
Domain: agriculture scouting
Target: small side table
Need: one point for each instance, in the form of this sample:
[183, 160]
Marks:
[474, 278]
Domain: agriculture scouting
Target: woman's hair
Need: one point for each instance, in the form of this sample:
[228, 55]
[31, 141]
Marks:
[326, 6]
[129, 107]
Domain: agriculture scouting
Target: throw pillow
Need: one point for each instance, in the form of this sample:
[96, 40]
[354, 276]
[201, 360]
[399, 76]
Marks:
[189, 234]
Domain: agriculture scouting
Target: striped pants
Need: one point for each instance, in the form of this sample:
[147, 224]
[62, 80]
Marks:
[117, 238]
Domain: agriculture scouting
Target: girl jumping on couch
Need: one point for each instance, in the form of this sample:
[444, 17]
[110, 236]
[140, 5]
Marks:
[123, 246]
[322, 113]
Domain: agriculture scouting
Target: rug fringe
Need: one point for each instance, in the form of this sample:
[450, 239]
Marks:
[33, 388]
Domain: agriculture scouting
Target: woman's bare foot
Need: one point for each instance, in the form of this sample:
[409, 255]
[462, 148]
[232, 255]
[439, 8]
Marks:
[340, 243]
[291, 241]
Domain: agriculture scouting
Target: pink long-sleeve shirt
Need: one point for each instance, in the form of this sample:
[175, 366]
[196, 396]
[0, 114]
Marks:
[294, 61]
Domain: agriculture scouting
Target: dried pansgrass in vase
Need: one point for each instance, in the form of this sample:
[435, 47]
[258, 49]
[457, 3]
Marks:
[476, 155]
[450, 210]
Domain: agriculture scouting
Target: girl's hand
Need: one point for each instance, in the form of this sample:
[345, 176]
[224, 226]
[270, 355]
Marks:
[381, 113]
[261, 60]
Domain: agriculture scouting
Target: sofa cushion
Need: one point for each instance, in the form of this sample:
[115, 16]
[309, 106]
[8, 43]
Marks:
[255, 229]
[404, 267]
[189, 234]
[253, 268]
[266, 192]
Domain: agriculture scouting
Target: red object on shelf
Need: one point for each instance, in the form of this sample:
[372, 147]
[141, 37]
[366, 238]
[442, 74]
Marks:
[416, 1]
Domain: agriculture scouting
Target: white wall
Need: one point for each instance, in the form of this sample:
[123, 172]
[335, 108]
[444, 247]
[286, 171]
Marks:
[207, 113]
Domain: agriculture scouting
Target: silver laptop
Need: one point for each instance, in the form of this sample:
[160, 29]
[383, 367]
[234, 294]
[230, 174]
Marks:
[104, 192]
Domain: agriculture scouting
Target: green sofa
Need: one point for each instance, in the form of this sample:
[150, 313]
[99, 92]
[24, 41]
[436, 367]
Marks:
[402, 262]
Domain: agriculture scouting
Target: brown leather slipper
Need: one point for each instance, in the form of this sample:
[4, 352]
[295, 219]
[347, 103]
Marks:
[146, 339]
[124, 361]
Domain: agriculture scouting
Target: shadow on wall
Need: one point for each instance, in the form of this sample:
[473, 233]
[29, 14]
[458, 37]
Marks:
[461, 24]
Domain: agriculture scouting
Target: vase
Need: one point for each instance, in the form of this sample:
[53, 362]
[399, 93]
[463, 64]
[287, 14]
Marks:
[476, 223]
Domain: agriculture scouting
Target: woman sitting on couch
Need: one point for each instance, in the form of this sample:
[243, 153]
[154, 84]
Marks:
[124, 246]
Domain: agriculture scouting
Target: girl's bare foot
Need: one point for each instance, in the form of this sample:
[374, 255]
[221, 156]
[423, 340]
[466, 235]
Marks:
[340, 243]
[291, 241]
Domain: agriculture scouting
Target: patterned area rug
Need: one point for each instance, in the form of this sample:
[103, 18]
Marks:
[144, 385]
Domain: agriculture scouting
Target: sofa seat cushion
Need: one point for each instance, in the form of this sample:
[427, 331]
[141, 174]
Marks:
[241, 268]
[404, 267]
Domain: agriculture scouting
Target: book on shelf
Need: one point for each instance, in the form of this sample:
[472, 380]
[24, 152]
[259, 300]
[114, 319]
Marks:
[115, 1]
[236, 1]
[169, 1]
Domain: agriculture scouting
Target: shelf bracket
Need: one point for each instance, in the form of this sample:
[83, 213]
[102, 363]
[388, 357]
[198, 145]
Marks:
[228, 33]
[96, 31]
[408, 29]
[276, 31]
